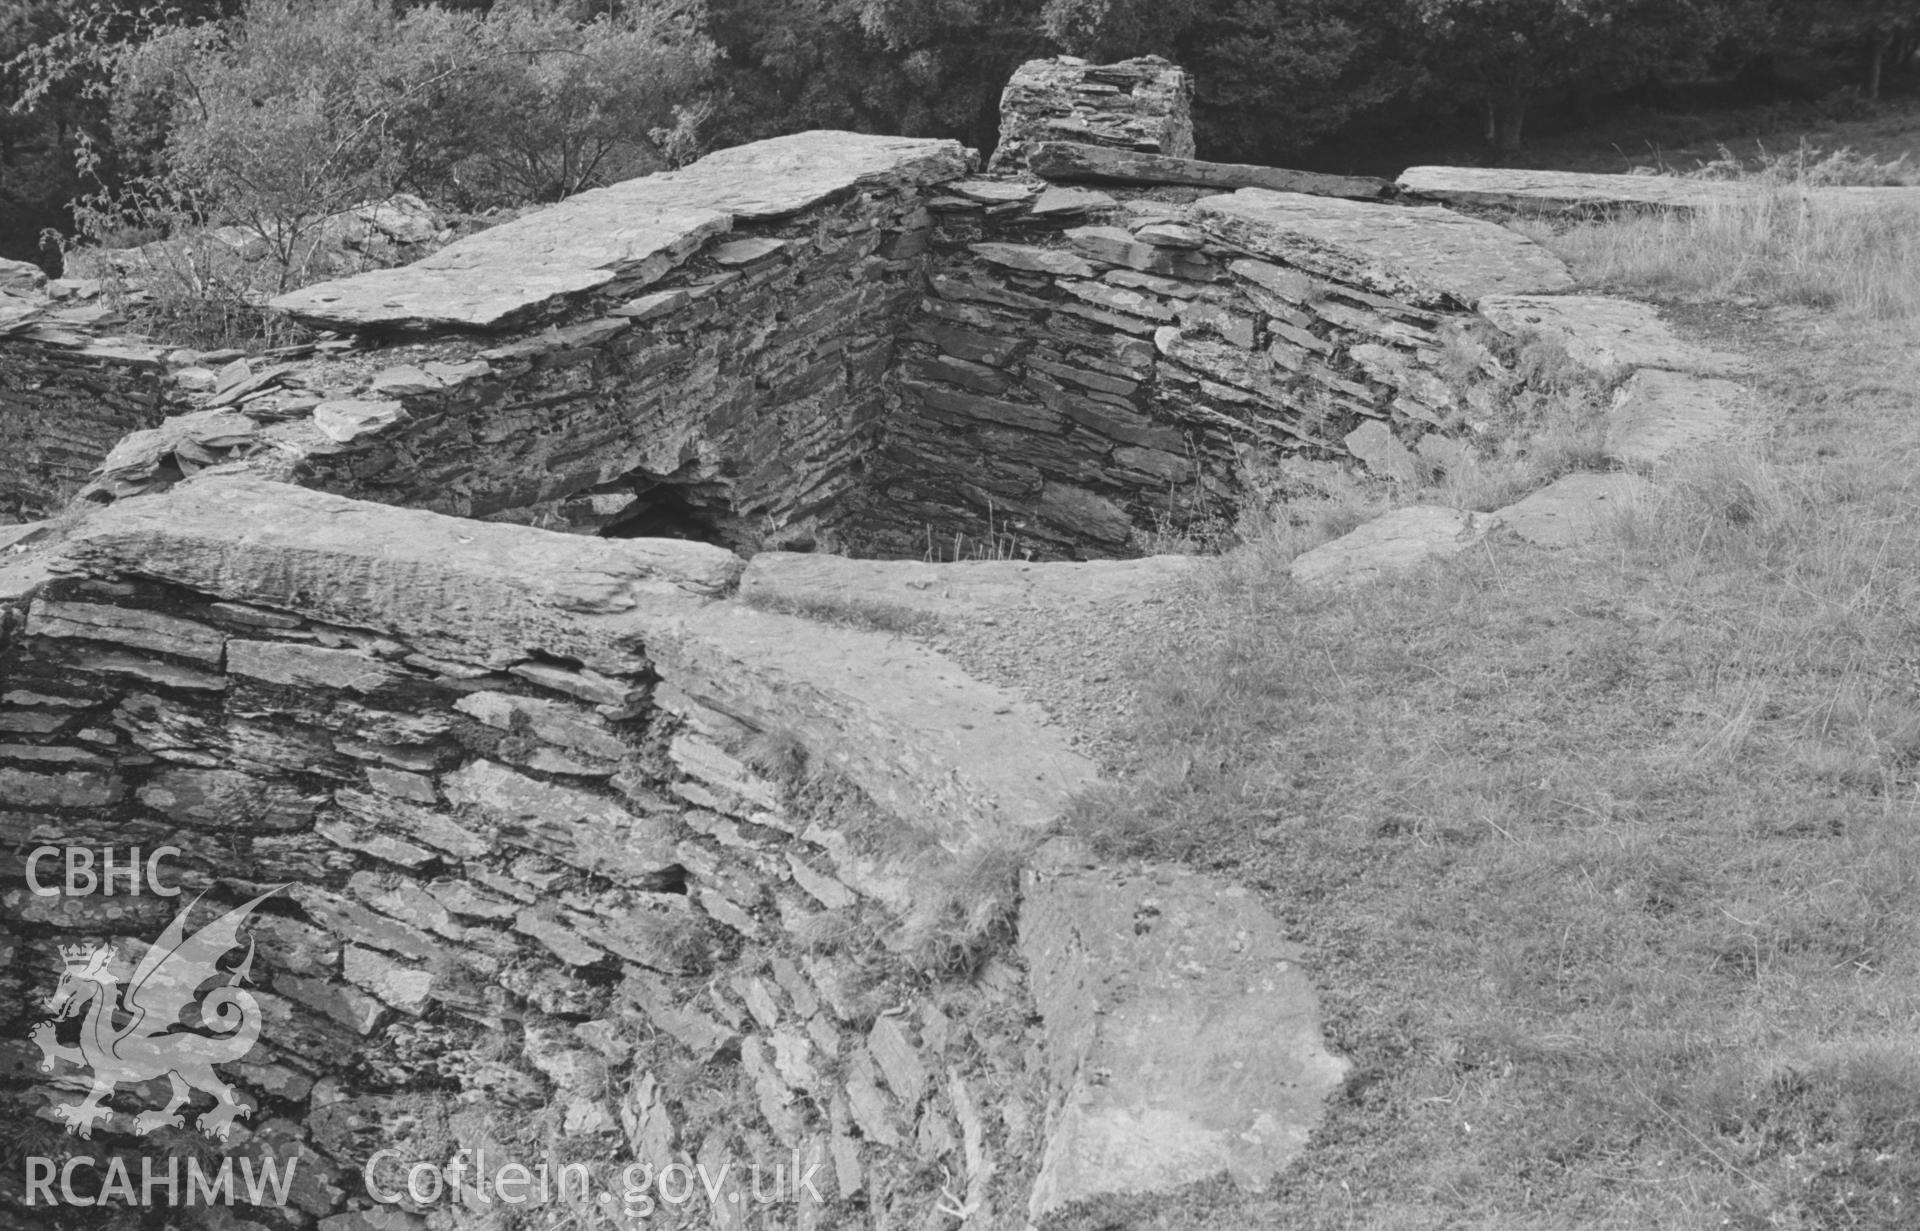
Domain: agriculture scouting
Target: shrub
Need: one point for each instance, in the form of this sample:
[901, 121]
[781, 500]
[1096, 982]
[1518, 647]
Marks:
[300, 109]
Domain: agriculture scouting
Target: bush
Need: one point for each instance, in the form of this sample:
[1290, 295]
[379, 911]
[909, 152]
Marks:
[301, 109]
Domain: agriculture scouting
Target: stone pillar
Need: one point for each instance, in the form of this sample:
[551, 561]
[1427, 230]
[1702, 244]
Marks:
[1144, 104]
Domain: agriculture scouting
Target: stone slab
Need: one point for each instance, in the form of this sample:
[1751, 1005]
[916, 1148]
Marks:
[1568, 191]
[1183, 1037]
[1069, 161]
[1391, 543]
[471, 591]
[636, 230]
[960, 591]
[1659, 414]
[923, 738]
[1573, 509]
[1429, 256]
[1608, 335]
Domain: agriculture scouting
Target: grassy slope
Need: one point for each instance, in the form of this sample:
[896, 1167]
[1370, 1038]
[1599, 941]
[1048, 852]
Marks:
[1608, 862]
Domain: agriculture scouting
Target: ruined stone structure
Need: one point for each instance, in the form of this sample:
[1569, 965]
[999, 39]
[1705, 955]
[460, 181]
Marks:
[849, 343]
[592, 850]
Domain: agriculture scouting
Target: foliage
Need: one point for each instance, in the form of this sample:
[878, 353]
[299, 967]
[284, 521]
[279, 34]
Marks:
[1508, 52]
[905, 66]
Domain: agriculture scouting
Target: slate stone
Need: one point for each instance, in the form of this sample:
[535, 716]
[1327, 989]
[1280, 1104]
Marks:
[1659, 415]
[1183, 1036]
[1572, 191]
[129, 626]
[347, 419]
[633, 231]
[1607, 335]
[1057, 201]
[1034, 260]
[1390, 543]
[1572, 509]
[1428, 256]
[308, 666]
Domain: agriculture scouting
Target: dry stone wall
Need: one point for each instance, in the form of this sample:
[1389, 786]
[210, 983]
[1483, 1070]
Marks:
[850, 343]
[532, 899]
[1144, 105]
[1106, 360]
[66, 398]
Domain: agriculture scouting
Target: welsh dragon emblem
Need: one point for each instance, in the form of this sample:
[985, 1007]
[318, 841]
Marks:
[141, 1033]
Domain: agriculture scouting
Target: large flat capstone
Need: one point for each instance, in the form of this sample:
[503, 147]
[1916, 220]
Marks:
[635, 231]
[478, 592]
[1426, 255]
[1183, 1036]
[1558, 191]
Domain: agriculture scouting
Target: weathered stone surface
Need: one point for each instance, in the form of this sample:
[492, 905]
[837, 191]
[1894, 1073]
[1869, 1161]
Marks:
[1429, 256]
[922, 737]
[634, 231]
[1143, 104]
[1036, 260]
[180, 446]
[1065, 160]
[737, 253]
[26, 789]
[348, 419]
[1182, 1037]
[1657, 415]
[468, 590]
[1572, 509]
[21, 277]
[1393, 542]
[993, 192]
[154, 671]
[308, 666]
[589, 831]
[1060, 202]
[1382, 452]
[228, 799]
[965, 590]
[561, 725]
[1557, 191]
[1608, 335]
[1117, 246]
[130, 626]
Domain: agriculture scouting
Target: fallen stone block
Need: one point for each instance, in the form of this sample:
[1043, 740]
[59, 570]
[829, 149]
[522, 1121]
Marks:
[1183, 1038]
[1659, 414]
[1607, 335]
[1391, 543]
[1573, 509]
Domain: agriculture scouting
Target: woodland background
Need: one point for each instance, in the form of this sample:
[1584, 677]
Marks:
[122, 121]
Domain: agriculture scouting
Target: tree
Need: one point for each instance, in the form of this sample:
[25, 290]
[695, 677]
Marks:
[917, 67]
[1509, 52]
[1278, 76]
[1888, 31]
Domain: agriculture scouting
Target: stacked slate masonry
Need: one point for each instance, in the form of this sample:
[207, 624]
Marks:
[525, 905]
[66, 397]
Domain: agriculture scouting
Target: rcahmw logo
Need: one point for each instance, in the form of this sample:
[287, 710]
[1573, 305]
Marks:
[266, 1185]
[144, 1033]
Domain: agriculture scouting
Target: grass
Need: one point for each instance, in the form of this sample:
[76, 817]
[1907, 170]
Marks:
[1607, 862]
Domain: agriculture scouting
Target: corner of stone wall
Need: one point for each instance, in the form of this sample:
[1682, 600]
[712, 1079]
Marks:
[1144, 104]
